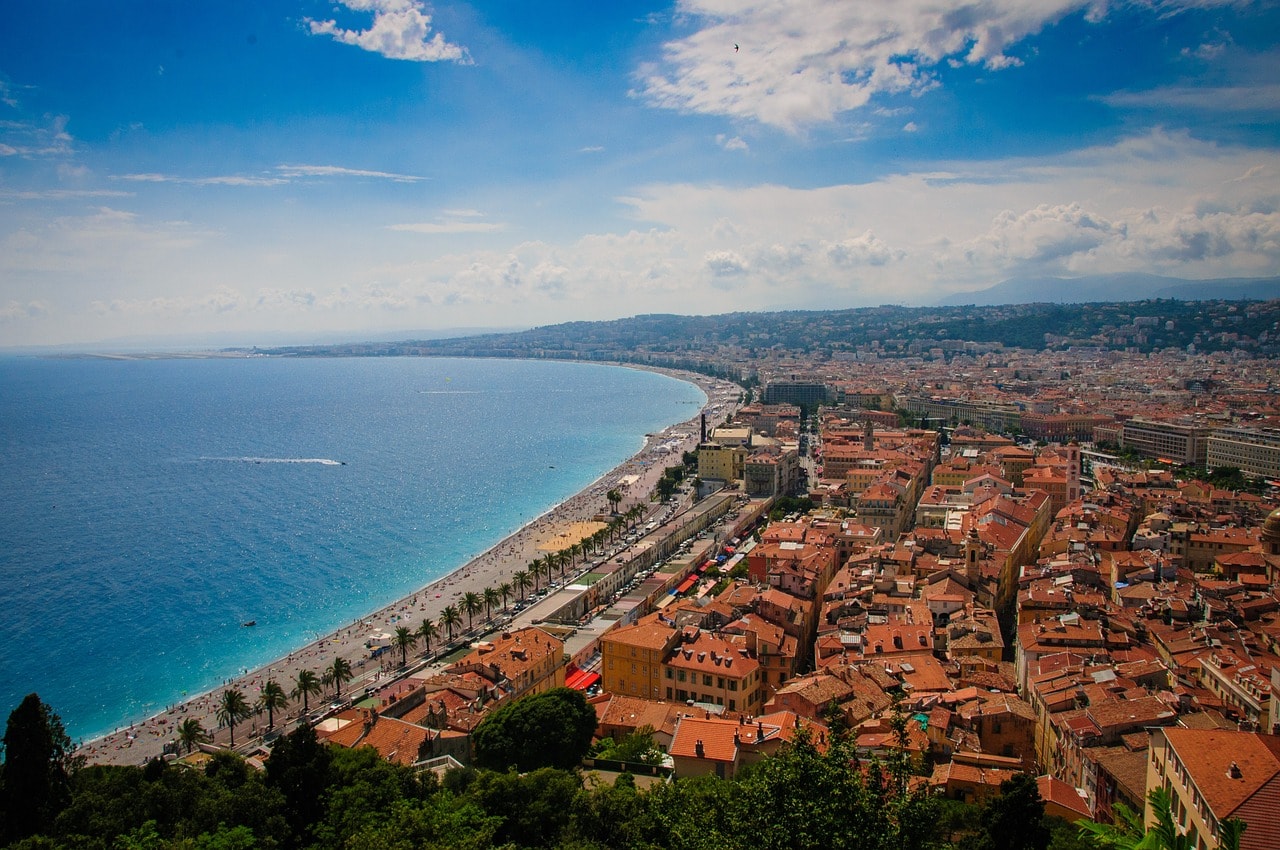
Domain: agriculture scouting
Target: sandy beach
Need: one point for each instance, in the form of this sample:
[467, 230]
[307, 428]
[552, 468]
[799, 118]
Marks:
[555, 530]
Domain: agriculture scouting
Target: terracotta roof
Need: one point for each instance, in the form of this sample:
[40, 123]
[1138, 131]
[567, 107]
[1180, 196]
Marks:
[1054, 790]
[1208, 756]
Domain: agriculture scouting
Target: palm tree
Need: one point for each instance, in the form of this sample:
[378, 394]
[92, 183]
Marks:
[471, 603]
[340, 673]
[491, 599]
[450, 618]
[404, 640]
[614, 498]
[271, 697]
[191, 733]
[428, 632]
[233, 708]
[305, 686]
[563, 559]
[504, 590]
[523, 582]
[575, 550]
[549, 566]
[535, 570]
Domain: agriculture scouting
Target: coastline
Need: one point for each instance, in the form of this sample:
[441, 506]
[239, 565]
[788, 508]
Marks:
[139, 742]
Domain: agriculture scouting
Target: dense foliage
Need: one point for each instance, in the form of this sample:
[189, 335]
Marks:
[314, 796]
[550, 729]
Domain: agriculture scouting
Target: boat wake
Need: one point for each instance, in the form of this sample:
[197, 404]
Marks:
[323, 461]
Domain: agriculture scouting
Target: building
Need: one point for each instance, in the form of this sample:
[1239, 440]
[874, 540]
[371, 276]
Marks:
[1255, 451]
[801, 393]
[721, 463]
[1212, 775]
[529, 660]
[1176, 442]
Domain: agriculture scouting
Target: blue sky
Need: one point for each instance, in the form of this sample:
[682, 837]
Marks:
[253, 172]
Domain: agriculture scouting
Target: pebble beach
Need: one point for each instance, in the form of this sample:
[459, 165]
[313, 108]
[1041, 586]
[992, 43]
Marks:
[555, 530]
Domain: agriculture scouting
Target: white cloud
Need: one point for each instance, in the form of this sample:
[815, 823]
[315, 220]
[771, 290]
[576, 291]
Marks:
[283, 174]
[1260, 98]
[725, 263]
[401, 29]
[591, 149]
[803, 62]
[339, 171]
[731, 144]
[434, 227]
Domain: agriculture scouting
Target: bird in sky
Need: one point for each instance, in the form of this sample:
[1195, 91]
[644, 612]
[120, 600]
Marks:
[735, 48]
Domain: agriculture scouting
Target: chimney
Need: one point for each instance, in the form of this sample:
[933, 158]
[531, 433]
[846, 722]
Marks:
[1233, 772]
[699, 750]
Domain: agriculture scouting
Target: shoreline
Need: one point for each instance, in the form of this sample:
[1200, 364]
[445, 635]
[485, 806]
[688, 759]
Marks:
[141, 741]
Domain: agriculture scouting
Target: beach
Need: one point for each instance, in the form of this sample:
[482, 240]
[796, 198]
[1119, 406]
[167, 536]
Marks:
[557, 529]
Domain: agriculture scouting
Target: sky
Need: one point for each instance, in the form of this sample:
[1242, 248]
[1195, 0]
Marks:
[253, 172]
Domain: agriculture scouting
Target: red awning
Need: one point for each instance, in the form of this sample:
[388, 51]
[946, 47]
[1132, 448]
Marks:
[686, 584]
[578, 681]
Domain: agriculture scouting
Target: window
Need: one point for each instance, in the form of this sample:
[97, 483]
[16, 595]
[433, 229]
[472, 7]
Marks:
[706, 679]
[733, 685]
[669, 673]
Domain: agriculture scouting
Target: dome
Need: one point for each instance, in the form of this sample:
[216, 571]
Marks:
[1271, 527]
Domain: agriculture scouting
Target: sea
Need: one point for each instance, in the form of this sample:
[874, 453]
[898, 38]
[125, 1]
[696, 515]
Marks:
[151, 507]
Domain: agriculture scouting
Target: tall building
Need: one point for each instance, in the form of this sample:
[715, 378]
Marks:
[804, 393]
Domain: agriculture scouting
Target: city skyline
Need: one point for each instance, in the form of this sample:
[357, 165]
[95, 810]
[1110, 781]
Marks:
[372, 166]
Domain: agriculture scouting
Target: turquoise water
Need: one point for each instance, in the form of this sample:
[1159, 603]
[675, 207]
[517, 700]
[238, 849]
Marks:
[149, 507]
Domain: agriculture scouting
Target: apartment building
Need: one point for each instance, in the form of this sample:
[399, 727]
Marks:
[1255, 451]
[1213, 775]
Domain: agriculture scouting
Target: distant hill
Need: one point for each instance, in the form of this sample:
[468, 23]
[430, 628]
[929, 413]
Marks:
[1108, 287]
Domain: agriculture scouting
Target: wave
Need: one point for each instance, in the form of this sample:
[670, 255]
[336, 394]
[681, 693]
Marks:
[324, 461]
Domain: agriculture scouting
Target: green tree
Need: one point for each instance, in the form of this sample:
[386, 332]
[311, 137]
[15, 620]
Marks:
[340, 673]
[550, 729]
[491, 599]
[504, 590]
[1015, 819]
[232, 708]
[404, 641]
[450, 619]
[299, 769]
[613, 497]
[306, 685]
[522, 581]
[191, 734]
[472, 604]
[428, 632]
[39, 762]
[271, 698]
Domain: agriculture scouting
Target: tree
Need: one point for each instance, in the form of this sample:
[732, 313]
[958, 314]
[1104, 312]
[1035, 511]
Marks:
[191, 734]
[306, 685]
[340, 673]
[271, 697]
[428, 632]
[523, 581]
[450, 619]
[299, 768]
[504, 590]
[472, 603]
[613, 497]
[1015, 819]
[491, 599]
[550, 729]
[233, 708]
[404, 641]
[39, 761]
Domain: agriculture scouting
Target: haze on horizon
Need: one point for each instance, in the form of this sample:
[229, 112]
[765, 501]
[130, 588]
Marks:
[368, 166]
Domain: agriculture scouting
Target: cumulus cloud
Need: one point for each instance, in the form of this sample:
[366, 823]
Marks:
[725, 263]
[401, 29]
[731, 143]
[803, 62]
[13, 310]
[866, 249]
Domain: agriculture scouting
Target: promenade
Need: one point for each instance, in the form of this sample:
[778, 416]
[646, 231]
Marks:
[636, 479]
